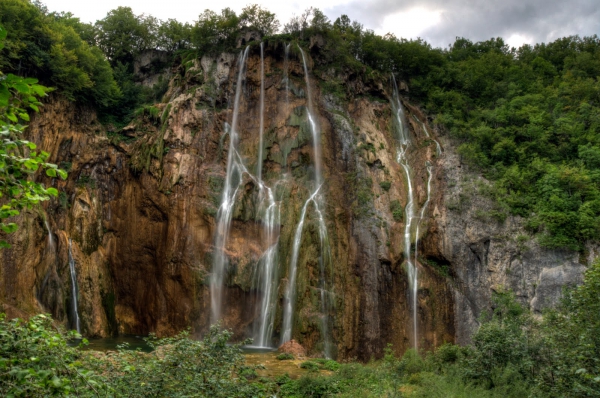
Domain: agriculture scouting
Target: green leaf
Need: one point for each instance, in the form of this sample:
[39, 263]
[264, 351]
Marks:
[51, 172]
[56, 382]
[9, 228]
[62, 174]
[4, 95]
[39, 90]
[52, 191]
[22, 88]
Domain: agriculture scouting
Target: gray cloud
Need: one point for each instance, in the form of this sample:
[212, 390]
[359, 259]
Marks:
[539, 20]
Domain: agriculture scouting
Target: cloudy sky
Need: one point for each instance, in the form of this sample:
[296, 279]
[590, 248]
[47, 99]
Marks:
[437, 21]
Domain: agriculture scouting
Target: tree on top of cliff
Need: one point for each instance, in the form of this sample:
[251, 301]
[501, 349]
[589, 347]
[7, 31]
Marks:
[49, 47]
[19, 159]
[122, 35]
[256, 17]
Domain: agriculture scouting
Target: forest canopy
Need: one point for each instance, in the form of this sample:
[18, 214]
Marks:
[527, 118]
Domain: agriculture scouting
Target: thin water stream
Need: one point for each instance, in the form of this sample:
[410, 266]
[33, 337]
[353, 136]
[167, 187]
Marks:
[409, 210]
[74, 290]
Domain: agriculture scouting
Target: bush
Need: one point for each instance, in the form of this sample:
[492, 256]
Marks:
[285, 356]
[397, 210]
[36, 361]
[310, 366]
[385, 185]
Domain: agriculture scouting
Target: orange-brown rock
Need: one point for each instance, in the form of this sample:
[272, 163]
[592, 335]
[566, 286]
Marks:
[292, 347]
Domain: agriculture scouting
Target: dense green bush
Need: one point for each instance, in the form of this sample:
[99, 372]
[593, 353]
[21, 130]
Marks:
[36, 360]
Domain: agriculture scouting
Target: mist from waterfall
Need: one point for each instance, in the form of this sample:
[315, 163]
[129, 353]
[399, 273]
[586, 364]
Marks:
[74, 290]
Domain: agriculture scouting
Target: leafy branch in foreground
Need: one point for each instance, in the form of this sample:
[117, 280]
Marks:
[19, 158]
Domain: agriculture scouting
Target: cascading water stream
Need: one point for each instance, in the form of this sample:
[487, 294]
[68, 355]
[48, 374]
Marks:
[286, 67]
[316, 199]
[233, 180]
[262, 115]
[74, 306]
[424, 208]
[51, 244]
[267, 271]
[409, 211]
[267, 267]
[438, 148]
[290, 293]
[415, 285]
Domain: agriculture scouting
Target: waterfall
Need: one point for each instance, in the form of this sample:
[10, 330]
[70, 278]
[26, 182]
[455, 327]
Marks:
[233, 180]
[438, 148]
[424, 208]
[269, 209]
[262, 115]
[51, 244]
[316, 199]
[409, 211]
[290, 292]
[286, 67]
[313, 127]
[74, 307]
[267, 275]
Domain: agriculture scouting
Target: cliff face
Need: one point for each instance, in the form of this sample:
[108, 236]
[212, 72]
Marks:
[140, 209]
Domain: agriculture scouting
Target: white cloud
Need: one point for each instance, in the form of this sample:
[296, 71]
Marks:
[410, 23]
[517, 40]
[182, 10]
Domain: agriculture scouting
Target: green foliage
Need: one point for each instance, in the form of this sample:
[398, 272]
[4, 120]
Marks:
[285, 356]
[385, 185]
[257, 18]
[48, 46]
[528, 119]
[505, 342]
[36, 361]
[214, 32]
[310, 365]
[122, 35]
[571, 349]
[397, 210]
[19, 159]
